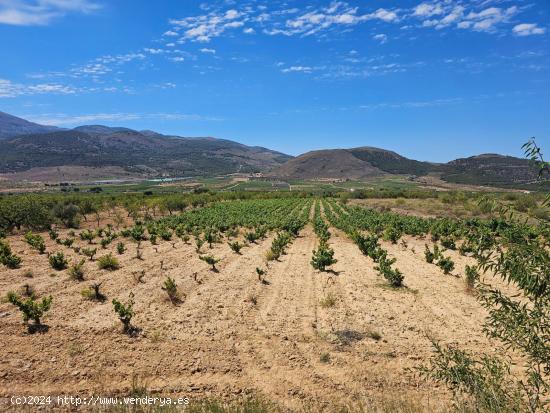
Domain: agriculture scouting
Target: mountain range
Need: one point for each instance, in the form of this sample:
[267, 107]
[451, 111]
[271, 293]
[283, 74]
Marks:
[102, 151]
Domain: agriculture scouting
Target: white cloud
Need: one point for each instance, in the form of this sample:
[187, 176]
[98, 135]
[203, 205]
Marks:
[9, 89]
[170, 33]
[249, 30]
[303, 69]
[383, 14]
[206, 50]
[206, 27]
[154, 51]
[428, 10]
[412, 104]
[528, 29]
[339, 13]
[452, 13]
[382, 38]
[41, 12]
[62, 119]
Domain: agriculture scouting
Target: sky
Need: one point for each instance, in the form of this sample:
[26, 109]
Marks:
[434, 80]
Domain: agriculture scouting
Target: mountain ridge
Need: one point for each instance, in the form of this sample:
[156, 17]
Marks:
[12, 126]
[151, 154]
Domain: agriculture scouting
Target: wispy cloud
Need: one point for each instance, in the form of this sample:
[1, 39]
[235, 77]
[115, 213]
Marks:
[337, 14]
[62, 119]
[473, 15]
[9, 89]
[41, 12]
[303, 69]
[382, 38]
[528, 29]
[206, 27]
[413, 104]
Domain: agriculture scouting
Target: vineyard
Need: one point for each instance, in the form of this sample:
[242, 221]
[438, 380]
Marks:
[300, 300]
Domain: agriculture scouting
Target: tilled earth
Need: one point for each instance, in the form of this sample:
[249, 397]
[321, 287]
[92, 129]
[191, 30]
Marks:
[300, 338]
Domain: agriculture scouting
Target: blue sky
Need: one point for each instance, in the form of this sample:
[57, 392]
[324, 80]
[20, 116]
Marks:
[432, 80]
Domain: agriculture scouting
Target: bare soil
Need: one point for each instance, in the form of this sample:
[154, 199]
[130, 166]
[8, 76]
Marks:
[232, 335]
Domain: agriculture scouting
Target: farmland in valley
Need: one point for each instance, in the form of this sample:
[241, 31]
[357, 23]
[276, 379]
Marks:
[301, 301]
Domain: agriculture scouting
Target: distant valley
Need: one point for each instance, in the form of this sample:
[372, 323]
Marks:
[45, 153]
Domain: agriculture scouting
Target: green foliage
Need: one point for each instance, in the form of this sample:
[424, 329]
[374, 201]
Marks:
[67, 214]
[76, 271]
[446, 264]
[108, 262]
[125, 313]
[53, 234]
[393, 275]
[235, 247]
[87, 235]
[138, 233]
[105, 242]
[210, 237]
[323, 257]
[7, 257]
[251, 236]
[448, 243]
[199, 242]
[210, 260]
[171, 289]
[68, 242]
[36, 242]
[279, 244]
[32, 309]
[120, 248]
[478, 384]
[432, 257]
[392, 234]
[89, 252]
[58, 261]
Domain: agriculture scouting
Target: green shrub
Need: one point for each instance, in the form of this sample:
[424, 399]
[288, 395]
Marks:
[210, 237]
[76, 271]
[125, 313]
[87, 235]
[171, 289]
[478, 384]
[251, 237]
[393, 275]
[446, 264]
[210, 260]
[53, 234]
[36, 242]
[58, 261]
[199, 242]
[120, 248]
[235, 247]
[89, 252]
[31, 309]
[108, 262]
[392, 234]
[279, 243]
[323, 257]
[448, 243]
[7, 257]
[432, 257]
